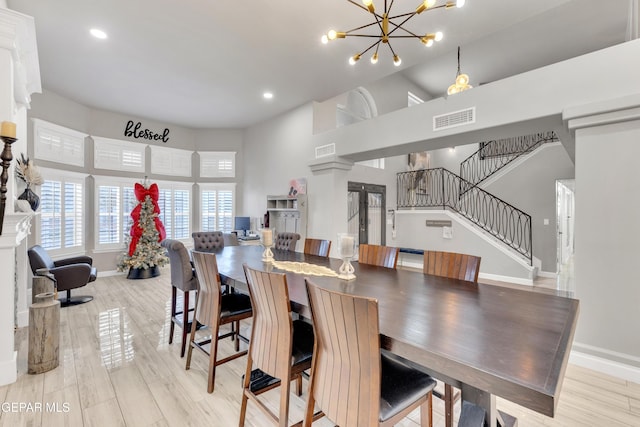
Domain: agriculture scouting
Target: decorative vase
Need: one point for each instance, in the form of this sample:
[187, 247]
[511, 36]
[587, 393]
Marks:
[143, 273]
[31, 197]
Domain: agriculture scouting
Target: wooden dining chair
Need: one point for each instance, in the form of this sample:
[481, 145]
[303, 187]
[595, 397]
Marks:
[382, 256]
[317, 247]
[214, 309]
[353, 382]
[454, 266]
[280, 348]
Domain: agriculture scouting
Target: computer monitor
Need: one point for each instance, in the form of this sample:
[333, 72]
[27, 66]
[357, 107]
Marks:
[242, 223]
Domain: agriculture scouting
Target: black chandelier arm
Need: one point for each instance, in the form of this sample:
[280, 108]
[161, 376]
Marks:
[369, 48]
[362, 27]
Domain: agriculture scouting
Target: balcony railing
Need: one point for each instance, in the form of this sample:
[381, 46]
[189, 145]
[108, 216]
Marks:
[494, 155]
[440, 188]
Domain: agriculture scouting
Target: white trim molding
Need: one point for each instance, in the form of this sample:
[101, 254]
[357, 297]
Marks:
[607, 366]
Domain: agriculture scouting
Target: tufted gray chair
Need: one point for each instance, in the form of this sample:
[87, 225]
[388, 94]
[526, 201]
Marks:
[208, 241]
[287, 241]
[183, 277]
[231, 239]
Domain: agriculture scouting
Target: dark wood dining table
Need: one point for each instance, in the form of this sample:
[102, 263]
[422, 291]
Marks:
[486, 340]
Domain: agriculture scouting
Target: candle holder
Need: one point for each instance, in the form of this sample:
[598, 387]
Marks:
[266, 239]
[346, 251]
[6, 157]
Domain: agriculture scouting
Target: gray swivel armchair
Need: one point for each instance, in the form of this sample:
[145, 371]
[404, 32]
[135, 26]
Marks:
[208, 241]
[69, 273]
[183, 277]
[287, 241]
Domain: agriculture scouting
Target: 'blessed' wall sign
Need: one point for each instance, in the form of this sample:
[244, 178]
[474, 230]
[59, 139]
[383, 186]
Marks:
[133, 130]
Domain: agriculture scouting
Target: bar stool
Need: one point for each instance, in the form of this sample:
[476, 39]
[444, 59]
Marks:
[352, 381]
[280, 348]
[183, 278]
[214, 309]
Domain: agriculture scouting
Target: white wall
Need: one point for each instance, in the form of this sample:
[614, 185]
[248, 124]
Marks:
[530, 185]
[497, 261]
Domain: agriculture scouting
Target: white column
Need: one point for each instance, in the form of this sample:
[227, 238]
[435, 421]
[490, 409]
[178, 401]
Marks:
[19, 78]
[331, 175]
[607, 228]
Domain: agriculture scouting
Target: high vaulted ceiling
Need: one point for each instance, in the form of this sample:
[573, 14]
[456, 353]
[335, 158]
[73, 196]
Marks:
[205, 64]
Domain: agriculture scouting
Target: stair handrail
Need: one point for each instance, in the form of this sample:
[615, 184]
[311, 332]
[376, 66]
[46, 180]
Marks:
[441, 188]
[494, 155]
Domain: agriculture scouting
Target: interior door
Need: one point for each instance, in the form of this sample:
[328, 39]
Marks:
[367, 206]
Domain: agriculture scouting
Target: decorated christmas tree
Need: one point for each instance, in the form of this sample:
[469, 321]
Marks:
[145, 254]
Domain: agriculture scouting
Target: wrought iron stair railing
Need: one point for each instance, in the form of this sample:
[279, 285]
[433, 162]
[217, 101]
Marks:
[439, 187]
[496, 154]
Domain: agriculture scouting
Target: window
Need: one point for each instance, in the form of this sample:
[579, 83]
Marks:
[114, 202]
[170, 161]
[217, 207]
[175, 209]
[217, 164]
[118, 155]
[61, 220]
[58, 144]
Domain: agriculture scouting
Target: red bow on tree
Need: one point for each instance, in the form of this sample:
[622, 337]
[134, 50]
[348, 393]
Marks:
[142, 192]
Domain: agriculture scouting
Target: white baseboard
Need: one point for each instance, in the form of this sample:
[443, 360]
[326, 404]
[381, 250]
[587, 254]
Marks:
[548, 274]
[517, 280]
[508, 279]
[609, 367]
[111, 273]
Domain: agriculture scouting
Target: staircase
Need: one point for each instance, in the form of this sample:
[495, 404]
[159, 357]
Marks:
[440, 188]
[496, 154]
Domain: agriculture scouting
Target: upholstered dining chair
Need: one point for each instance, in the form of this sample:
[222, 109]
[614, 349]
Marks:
[183, 278]
[280, 348]
[287, 241]
[208, 241]
[382, 256]
[317, 247]
[69, 273]
[353, 382]
[214, 309]
[455, 266]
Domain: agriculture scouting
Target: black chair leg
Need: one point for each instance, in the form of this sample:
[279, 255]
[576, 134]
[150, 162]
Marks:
[69, 301]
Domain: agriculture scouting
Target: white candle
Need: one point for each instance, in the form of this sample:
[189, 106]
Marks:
[346, 246]
[8, 129]
[267, 237]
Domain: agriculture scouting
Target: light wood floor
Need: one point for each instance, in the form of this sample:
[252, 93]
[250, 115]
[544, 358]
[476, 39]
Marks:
[117, 369]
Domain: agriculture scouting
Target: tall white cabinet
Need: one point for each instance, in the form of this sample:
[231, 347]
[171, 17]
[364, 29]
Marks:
[288, 214]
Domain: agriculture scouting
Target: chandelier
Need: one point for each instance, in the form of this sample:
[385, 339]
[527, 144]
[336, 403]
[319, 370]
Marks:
[462, 80]
[386, 25]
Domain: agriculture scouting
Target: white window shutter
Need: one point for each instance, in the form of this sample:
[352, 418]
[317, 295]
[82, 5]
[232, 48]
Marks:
[58, 144]
[217, 164]
[170, 161]
[118, 155]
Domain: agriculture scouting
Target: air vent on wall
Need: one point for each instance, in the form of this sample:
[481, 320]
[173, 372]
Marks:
[455, 118]
[325, 150]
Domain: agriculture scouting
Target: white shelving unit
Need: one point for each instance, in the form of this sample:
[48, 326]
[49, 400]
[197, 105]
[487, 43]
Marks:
[289, 214]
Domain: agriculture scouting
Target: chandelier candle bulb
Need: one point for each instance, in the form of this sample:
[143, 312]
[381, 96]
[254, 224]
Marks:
[8, 129]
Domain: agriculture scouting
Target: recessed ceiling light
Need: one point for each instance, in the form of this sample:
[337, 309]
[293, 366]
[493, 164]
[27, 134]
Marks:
[99, 34]
[267, 95]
